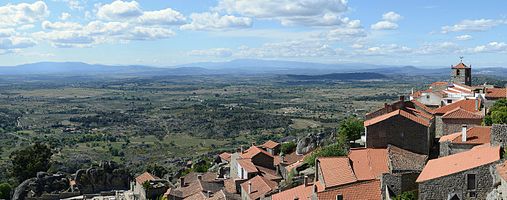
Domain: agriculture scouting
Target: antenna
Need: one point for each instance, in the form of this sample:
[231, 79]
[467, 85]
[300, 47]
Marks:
[461, 59]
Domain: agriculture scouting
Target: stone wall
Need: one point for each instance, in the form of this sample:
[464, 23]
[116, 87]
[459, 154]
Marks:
[448, 148]
[401, 132]
[499, 134]
[398, 182]
[451, 126]
[439, 126]
[234, 166]
[456, 184]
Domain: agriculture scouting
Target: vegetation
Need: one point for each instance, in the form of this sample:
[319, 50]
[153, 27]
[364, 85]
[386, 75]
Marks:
[332, 150]
[288, 147]
[27, 162]
[351, 128]
[5, 191]
[497, 113]
[410, 195]
[157, 170]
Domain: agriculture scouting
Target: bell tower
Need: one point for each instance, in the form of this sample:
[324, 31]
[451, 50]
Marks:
[461, 73]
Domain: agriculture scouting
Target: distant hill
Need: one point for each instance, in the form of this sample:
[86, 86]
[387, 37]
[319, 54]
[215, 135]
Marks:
[340, 76]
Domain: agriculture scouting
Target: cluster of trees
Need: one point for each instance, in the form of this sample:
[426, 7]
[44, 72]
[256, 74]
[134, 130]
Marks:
[497, 113]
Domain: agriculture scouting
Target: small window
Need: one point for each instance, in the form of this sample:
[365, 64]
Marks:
[471, 182]
[339, 197]
[449, 101]
[457, 72]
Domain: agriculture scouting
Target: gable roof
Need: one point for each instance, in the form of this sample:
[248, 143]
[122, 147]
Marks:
[366, 190]
[260, 187]
[302, 192]
[146, 176]
[368, 163]
[270, 144]
[404, 160]
[475, 135]
[410, 116]
[336, 171]
[247, 165]
[465, 104]
[422, 106]
[460, 65]
[477, 156]
[225, 156]
[460, 113]
[253, 151]
[496, 92]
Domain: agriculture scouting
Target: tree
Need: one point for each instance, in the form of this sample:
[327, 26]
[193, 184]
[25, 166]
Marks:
[288, 147]
[410, 195]
[5, 191]
[497, 114]
[332, 150]
[351, 128]
[27, 162]
[157, 170]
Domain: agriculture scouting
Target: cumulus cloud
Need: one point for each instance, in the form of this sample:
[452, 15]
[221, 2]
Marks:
[16, 43]
[437, 48]
[12, 15]
[463, 37]
[383, 50]
[351, 31]
[289, 12]
[215, 52]
[388, 22]
[119, 10]
[150, 33]
[64, 16]
[166, 16]
[473, 25]
[491, 47]
[7, 32]
[213, 21]
[60, 25]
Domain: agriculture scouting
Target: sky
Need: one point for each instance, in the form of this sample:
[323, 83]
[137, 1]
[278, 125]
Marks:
[171, 32]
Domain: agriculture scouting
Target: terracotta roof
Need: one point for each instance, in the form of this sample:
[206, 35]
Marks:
[193, 177]
[291, 158]
[501, 169]
[146, 176]
[336, 171]
[475, 135]
[465, 104]
[460, 113]
[302, 192]
[270, 144]
[260, 187]
[477, 156]
[403, 113]
[270, 174]
[422, 106]
[460, 66]
[230, 186]
[225, 156]
[220, 195]
[247, 165]
[253, 151]
[404, 160]
[496, 92]
[368, 163]
[366, 190]
[439, 83]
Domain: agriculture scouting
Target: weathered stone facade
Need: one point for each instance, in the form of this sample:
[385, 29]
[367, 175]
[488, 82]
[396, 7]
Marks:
[448, 148]
[398, 183]
[401, 132]
[456, 184]
[499, 135]
[439, 126]
[451, 126]
[234, 165]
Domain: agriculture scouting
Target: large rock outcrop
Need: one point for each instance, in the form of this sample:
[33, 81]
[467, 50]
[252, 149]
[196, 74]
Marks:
[44, 183]
[309, 143]
[105, 177]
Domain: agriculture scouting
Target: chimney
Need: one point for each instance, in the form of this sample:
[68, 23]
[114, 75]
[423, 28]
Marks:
[296, 198]
[249, 187]
[477, 104]
[464, 133]
[199, 177]
[208, 194]
[402, 98]
[305, 180]
[241, 148]
[282, 158]
[182, 181]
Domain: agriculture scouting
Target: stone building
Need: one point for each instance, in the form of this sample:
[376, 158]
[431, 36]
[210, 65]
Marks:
[272, 147]
[464, 140]
[466, 111]
[149, 186]
[461, 74]
[466, 175]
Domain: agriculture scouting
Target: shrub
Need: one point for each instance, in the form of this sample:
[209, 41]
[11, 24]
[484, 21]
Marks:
[288, 147]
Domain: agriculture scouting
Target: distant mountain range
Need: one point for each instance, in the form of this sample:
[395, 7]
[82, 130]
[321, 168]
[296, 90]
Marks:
[243, 66]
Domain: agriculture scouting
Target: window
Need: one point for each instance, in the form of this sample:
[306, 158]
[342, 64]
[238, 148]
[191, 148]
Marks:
[457, 72]
[449, 101]
[471, 182]
[339, 197]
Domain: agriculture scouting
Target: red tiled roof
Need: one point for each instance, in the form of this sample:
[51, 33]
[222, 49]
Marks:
[226, 156]
[369, 163]
[270, 144]
[403, 160]
[366, 190]
[253, 151]
[422, 106]
[230, 186]
[475, 135]
[501, 169]
[403, 113]
[465, 104]
[439, 83]
[459, 113]
[336, 171]
[460, 66]
[477, 156]
[302, 192]
[496, 92]
[247, 165]
[260, 187]
[146, 176]
[270, 174]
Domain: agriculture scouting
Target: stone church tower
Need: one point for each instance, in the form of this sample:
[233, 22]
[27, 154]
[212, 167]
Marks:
[461, 74]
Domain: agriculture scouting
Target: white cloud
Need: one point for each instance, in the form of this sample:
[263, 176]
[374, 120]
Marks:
[350, 31]
[216, 52]
[391, 16]
[213, 21]
[437, 48]
[385, 50]
[16, 43]
[119, 10]
[290, 49]
[491, 47]
[166, 16]
[289, 12]
[473, 25]
[12, 15]
[388, 22]
[7, 32]
[463, 37]
[64, 16]
[150, 33]
[384, 25]
[60, 25]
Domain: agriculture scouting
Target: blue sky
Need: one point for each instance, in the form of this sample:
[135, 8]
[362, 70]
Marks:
[171, 32]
